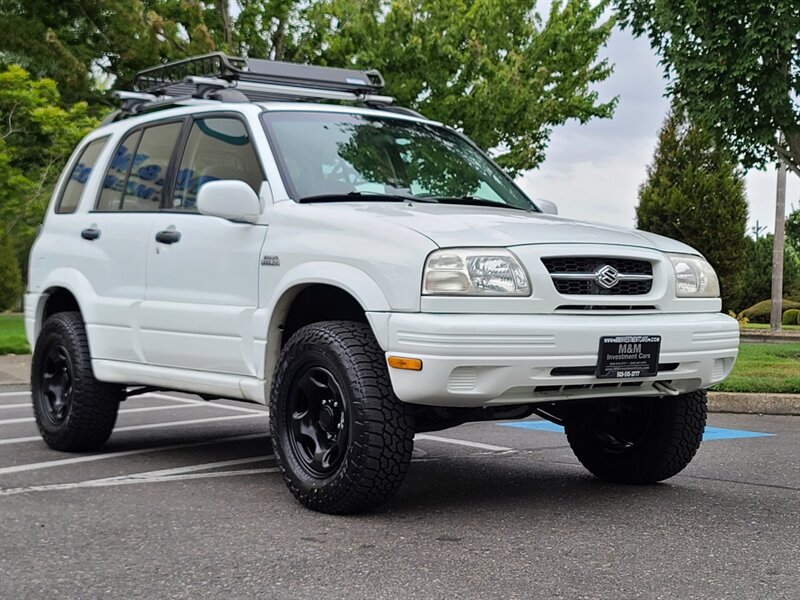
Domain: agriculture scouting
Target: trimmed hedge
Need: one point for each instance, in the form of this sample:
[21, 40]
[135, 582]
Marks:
[760, 312]
[791, 317]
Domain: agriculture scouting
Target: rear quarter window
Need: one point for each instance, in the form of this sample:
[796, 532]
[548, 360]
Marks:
[79, 174]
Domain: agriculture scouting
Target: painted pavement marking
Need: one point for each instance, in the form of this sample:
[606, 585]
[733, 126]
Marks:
[710, 433]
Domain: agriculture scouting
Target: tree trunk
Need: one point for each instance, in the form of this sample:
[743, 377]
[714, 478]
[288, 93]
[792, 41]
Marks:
[777, 250]
[225, 17]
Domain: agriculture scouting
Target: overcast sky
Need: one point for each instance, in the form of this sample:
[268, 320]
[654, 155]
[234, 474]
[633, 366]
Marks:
[593, 171]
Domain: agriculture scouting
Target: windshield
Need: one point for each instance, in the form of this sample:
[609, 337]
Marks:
[362, 157]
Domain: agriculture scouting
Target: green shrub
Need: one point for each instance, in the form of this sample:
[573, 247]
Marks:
[10, 279]
[791, 317]
[760, 312]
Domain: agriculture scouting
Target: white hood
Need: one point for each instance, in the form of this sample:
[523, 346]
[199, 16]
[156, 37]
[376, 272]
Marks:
[459, 226]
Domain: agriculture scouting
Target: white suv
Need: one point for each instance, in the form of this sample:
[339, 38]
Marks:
[366, 272]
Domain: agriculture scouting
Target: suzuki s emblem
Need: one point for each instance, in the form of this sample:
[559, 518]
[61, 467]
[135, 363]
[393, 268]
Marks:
[606, 277]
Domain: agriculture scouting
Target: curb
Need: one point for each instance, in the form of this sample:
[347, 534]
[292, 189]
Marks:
[761, 404]
[767, 337]
[14, 370]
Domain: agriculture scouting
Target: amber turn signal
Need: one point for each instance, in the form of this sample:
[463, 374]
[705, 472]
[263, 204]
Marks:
[408, 364]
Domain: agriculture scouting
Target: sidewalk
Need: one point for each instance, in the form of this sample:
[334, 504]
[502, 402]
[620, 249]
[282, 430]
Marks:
[15, 370]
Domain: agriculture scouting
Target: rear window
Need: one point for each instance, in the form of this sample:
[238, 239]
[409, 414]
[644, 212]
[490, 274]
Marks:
[79, 175]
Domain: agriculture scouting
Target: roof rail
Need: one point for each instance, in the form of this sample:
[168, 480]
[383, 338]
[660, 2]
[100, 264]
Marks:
[260, 80]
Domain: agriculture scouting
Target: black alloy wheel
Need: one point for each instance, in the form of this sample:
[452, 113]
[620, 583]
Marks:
[318, 427]
[56, 388]
[621, 424]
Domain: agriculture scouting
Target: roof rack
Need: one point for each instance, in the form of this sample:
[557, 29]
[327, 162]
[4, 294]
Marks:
[259, 80]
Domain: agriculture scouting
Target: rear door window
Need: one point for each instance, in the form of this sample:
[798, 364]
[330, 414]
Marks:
[137, 176]
[79, 175]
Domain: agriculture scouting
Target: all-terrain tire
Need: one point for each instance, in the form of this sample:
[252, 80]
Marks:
[74, 411]
[665, 440]
[373, 458]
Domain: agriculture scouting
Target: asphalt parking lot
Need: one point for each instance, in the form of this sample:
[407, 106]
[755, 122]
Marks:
[185, 502]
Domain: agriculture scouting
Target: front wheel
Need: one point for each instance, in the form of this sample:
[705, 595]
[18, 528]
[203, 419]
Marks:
[342, 439]
[637, 440]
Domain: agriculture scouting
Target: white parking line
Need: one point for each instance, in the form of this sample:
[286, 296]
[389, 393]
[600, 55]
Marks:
[193, 468]
[34, 438]
[5, 394]
[130, 410]
[436, 438]
[133, 481]
[121, 411]
[20, 405]
[93, 457]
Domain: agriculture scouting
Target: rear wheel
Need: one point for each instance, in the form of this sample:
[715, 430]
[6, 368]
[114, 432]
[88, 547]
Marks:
[342, 439]
[637, 440]
[74, 412]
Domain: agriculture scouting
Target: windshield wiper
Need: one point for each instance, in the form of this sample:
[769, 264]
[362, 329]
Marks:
[474, 201]
[355, 196]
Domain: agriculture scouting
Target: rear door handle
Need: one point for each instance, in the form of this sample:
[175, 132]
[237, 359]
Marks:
[90, 233]
[168, 236]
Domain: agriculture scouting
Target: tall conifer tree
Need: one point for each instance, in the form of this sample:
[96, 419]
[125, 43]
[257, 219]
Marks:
[695, 193]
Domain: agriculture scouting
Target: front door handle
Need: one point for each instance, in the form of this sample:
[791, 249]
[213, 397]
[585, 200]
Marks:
[91, 233]
[168, 236]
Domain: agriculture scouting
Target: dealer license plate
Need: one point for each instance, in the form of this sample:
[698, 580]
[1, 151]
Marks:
[628, 356]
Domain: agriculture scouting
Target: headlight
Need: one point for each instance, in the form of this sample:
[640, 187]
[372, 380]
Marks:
[475, 272]
[694, 277]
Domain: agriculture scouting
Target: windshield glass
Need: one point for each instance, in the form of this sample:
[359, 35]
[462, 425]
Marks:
[324, 154]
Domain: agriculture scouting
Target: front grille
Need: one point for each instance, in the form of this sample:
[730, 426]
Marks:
[578, 275]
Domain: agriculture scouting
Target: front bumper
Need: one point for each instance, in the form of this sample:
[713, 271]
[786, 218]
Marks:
[478, 359]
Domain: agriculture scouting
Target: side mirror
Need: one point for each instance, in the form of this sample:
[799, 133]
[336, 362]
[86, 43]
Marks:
[230, 199]
[547, 207]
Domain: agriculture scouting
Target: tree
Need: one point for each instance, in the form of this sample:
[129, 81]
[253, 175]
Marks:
[694, 193]
[793, 229]
[734, 66]
[493, 68]
[71, 42]
[10, 278]
[36, 136]
[758, 275]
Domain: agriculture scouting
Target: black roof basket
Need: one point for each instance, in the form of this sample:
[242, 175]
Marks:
[173, 78]
[217, 76]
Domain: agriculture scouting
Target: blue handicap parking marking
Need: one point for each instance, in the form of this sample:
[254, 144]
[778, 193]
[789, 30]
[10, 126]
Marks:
[710, 433]
[720, 433]
[537, 425]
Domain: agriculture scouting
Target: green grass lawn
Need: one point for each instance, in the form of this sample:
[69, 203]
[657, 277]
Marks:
[760, 368]
[12, 335]
[766, 326]
[765, 368]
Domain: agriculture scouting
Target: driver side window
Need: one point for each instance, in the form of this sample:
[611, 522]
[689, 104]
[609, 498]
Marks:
[217, 148]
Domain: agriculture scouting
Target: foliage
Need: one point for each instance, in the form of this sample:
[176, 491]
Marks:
[36, 136]
[760, 311]
[12, 335]
[791, 317]
[734, 66]
[793, 229]
[10, 277]
[765, 368]
[758, 275]
[695, 194]
[66, 41]
[493, 68]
